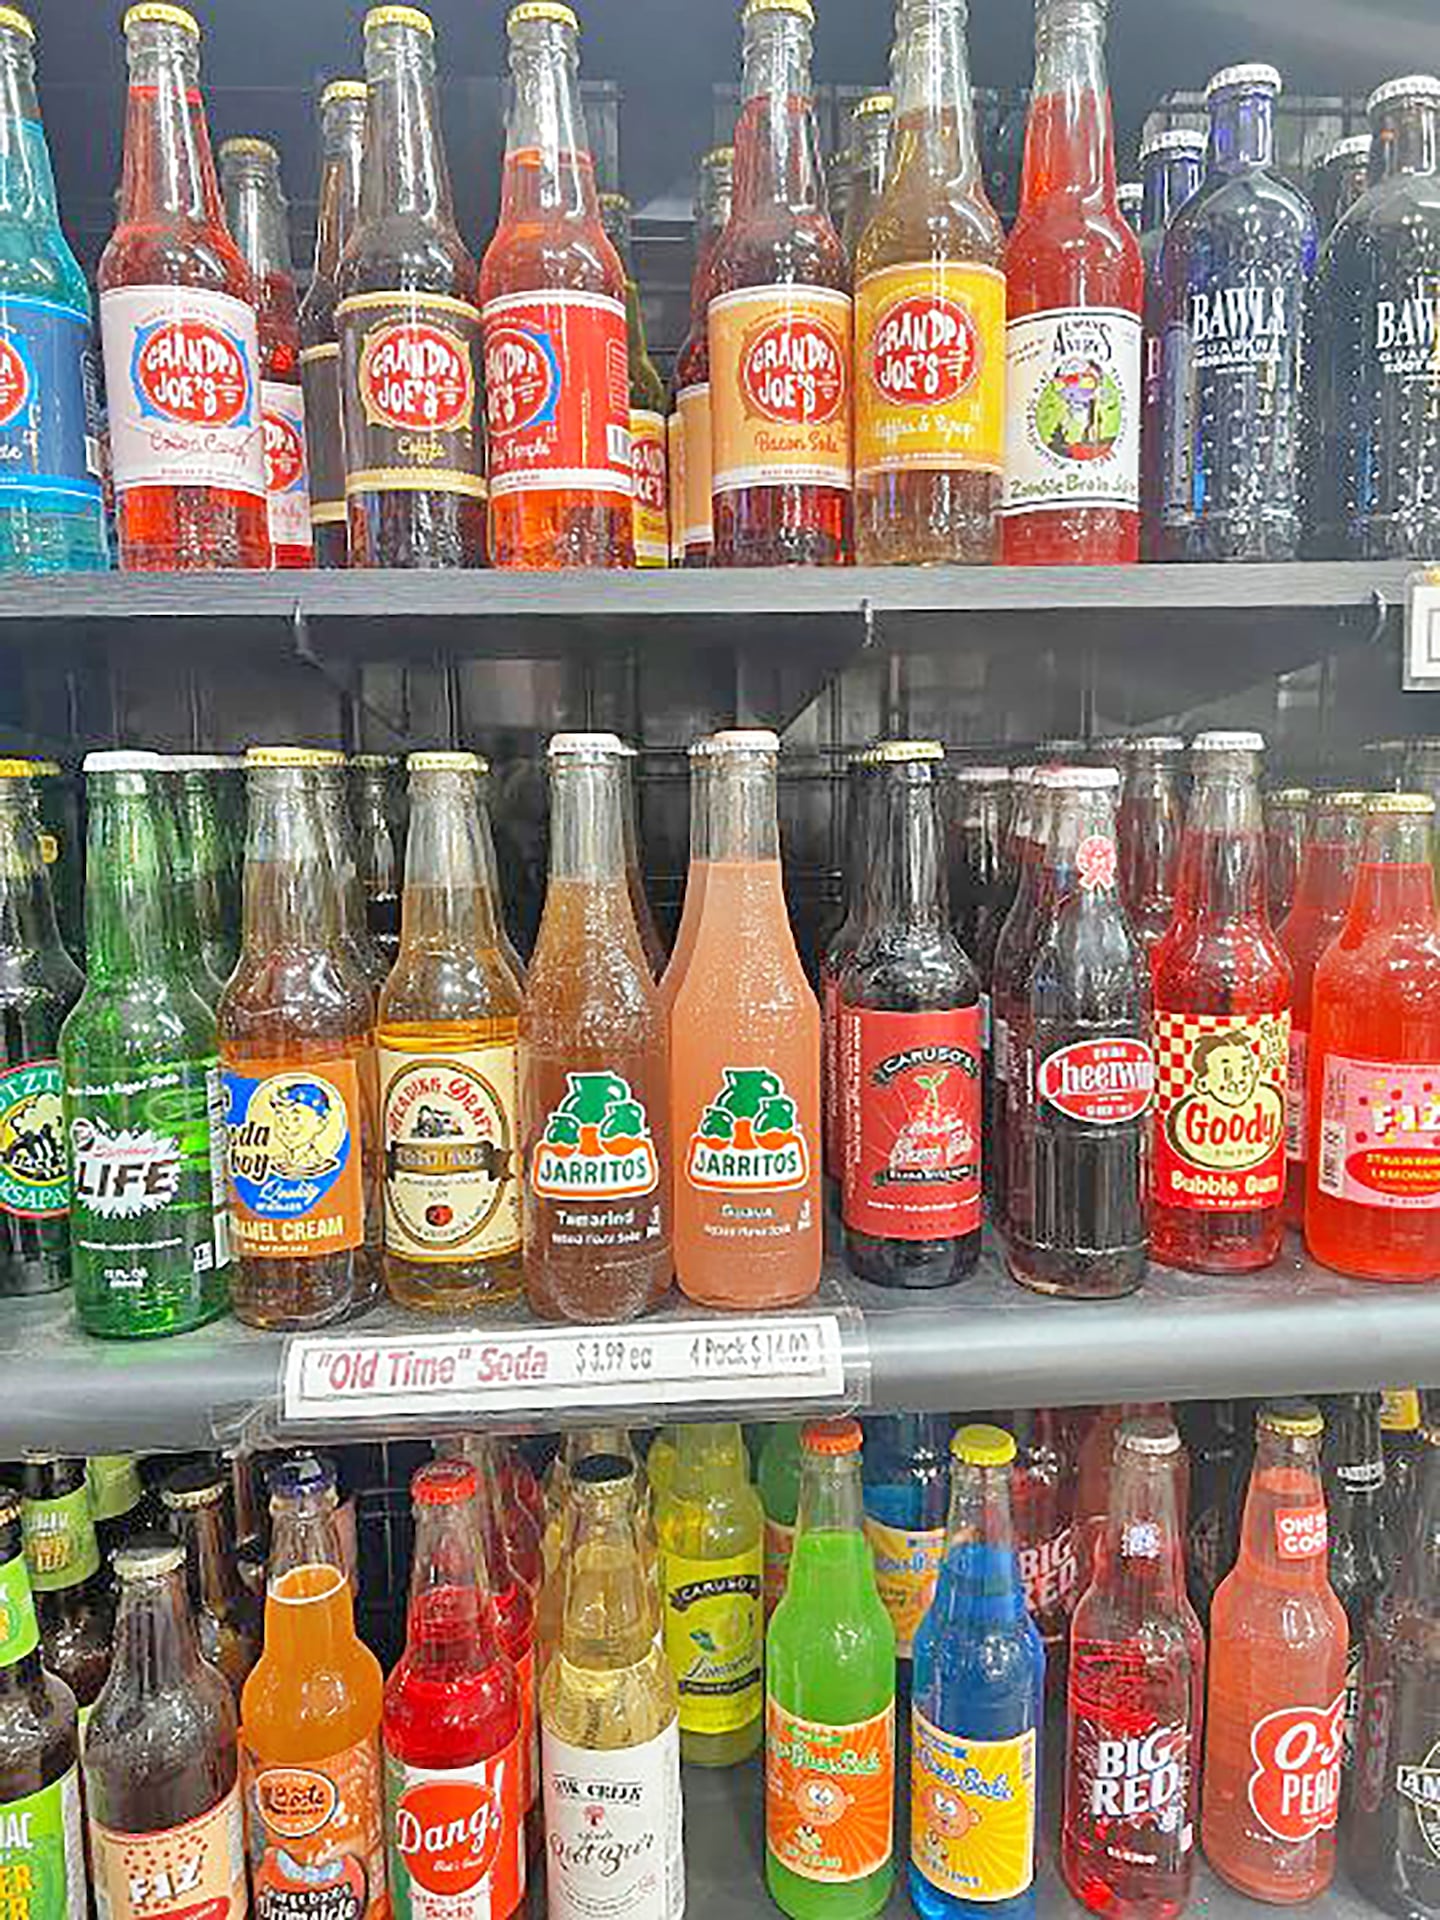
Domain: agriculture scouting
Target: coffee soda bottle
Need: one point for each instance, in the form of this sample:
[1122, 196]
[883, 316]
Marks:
[693, 514]
[342, 151]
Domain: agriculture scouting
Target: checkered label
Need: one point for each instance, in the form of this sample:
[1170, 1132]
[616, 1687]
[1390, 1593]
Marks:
[1220, 1110]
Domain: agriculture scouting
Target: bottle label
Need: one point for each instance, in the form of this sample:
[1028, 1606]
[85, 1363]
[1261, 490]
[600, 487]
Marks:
[408, 371]
[1380, 1133]
[713, 1626]
[317, 1826]
[1296, 1118]
[181, 384]
[596, 1144]
[1301, 1532]
[19, 1629]
[293, 1142]
[33, 1181]
[557, 393]
[1418, 1785]
[324, 447]
[48, 446]
[972, 1812]
[1399, 1410]
[749, 1139]
[651, 476]
[449, 1127]
[147, 1170]
[829, 1794]
[779, 1545]
[176, 1874]
[780, 388]
[830, 1069]
[42, 1853]
[457, 1838]
[1406, 332]
[287, 478]
[614, 1843]
[1220, 1108]
[697, 526]
[1073, 411]
[907, 1565]
[1101, 1083]
[60, 1545]
[1297, 1751]
[1135, 1788]
[930, 369]
[910, 1087]
[675, 475]
[1049, 1573]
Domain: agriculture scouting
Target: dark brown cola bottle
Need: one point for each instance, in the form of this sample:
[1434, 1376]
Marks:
[342, 148]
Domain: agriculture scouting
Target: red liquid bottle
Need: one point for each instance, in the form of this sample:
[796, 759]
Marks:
[342, 151]
[552, 291]
[451, 1731]
[519, 1484]
[182, 360]
[1222, 1032]
[259, 219]
[692, 509]
[515, 1616]
[1075, 298]
[1043, 1495]
[1148, 829]
[1287, 828]
[780, 323]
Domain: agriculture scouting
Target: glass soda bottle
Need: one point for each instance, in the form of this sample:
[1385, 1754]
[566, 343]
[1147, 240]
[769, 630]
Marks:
[227, 1617]
[905, 1477]
[342, 153]
[649, 470]
[453, 1754]
[656, 954]
[866, 165]
[691, 912]
[182, 357]
[1275, 1718]
[516, 1611]
[377, 802]
[310, 1717]
[1042, 1496]
[1173, 162]
[1074, 292]
[150, 1244]
[552, 292]
[1373, 1177]
[861, 788]
[1219, 1436]
[448, 1039]
[1221, 1032]
[1338, 179]
[259, 218]
[977, 1706]
[690, 384]
[780, 322]
[52, 517]
[610, 1722]
[1148, 834]
[119, 1504]
[830, 1702]
[1014, 940]
[408, 325]
[71, 1587]
[909, 1054]
[1287, 829]
[745, 1061]
[777, 1480]
[1360, 1552]
[342, 854]
[297, 1042]
[975, 810]
[594, 1124]
[930, 318]
[200, 877]
[1136, 1698]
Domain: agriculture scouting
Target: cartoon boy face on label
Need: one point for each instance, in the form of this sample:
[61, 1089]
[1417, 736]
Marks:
[1226, 1068]
[307, 1125]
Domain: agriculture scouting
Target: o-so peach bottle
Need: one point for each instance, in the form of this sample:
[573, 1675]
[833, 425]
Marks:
[745, 1061]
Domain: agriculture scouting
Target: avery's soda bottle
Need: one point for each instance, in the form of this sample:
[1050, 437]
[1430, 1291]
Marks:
[1147, 829]
[342, 150]
[648, 449]
[906, 1483]
[692, 528]
[1173, 162]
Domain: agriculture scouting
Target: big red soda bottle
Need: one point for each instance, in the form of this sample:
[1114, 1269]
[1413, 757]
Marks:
[1043, 1494]
[1276, 1712]
[552, 291]
[182, 360]
[1222, 1032]
[342, 150]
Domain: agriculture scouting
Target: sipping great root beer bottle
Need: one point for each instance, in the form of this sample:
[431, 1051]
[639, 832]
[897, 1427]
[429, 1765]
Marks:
[342, 153]
[692, 510]
[408, 325]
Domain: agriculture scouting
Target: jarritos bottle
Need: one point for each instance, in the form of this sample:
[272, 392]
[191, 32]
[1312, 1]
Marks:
[594, 1122]
[408, 325]
[342, 150]
[930, 318]
[552, 291]
[780, 322]
[1221, 1032]
[691, 383]
[1075, 292]
[182, 358]
[1147, 830]
[745, 1061]
[649, 457]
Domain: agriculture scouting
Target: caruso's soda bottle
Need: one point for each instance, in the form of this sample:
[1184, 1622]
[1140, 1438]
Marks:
[906, 1476]
[692, 530]
[342, 150]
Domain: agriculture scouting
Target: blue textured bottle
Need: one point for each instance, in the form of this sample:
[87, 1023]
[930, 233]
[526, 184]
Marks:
[977, 1703]
[1235, 267]
[1173, 165]
[906, 1477]
[51, 514]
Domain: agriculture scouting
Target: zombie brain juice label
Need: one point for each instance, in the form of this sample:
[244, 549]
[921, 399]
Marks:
[1073, 437]
[1220, 1110]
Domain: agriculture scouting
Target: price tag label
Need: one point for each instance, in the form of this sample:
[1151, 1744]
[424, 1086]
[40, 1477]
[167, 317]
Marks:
[476, 1375]
[1422, 629]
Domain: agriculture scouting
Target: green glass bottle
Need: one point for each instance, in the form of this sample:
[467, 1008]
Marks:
[777, 1477]
[186, 886]
[150, 1240]
[200, 873]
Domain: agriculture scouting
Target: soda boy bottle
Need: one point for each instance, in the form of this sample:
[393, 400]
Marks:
[182, 358]
[1373, 1173]
[1275, 1718]
[342, 151]
[906, 1485]
[651, 503]
[1075, 288]
[1173, 163]
[780, 322]
[1136, 1698]
[1147, 831]
[930, 318]
[1221, 1032]
[408, 325]
[552, 289]
[690, 384]
[830, 1702]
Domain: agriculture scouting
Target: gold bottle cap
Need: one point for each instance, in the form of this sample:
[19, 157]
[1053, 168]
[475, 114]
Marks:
[290, 757]
[16, 21]
[17, 769]
[1289, 797]
[436, 762]
[718, 157]
[542, 10]
[801, 7]
[379, 17]
[1295, 1420]
[344, 90]
[161, 13]
[983, 1446]
[873, 103]
[614, 200]
[1340, 797]
[887, 752]
[248, 146]
[1416, 803]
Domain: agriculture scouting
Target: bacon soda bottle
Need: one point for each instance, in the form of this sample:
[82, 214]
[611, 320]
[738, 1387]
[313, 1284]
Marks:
[692, 509]
[648, 434]
[552, 294]
[177, 315]
[342, 152]
[1148, 832]
[780, 322]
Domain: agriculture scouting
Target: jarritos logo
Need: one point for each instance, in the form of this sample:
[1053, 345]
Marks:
[1295, 1788]
[417, 377]
[925, 351]
[792, 370]
[1099, 1082]
[191, 371]
[1230, 1114]
[448, 1834]
[597, 1141]
[749, 1139]
[15, 381]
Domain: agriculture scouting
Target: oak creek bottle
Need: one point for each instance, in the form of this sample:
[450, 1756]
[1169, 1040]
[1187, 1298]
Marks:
[70, 1584]
[408, 325]
[1237, 260]
[909, 1052]
[342, 152]
[649, 458]
[692, 528]
[1174, 165]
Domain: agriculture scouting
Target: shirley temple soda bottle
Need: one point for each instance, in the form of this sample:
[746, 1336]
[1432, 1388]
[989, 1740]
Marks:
[342, 149]
[182, 356]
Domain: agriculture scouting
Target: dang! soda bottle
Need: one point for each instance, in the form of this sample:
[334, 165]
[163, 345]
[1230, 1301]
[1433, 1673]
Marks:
[342, 149]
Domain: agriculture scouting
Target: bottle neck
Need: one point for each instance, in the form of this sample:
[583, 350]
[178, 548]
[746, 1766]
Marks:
[1419, 1576]
[156, 1650]
[404, 175]
[128, 864]
[932, 138]
[1170, 179]
[712, 216]
[910, 891]
[831, 1496]
[1242, 130]
[290, 889]
[980, 1508]
[1395, 882]
[1222, 854]
[255, 209]
[1355, 1484]
[1406, 139]
[1285, 1480]
[27, 912]
[309, 1610]
[587, 823]
[1327, 865]
[1069, 138]
[548, 167]
[168, 165]
[27, 186]
[342, 164]
[777, 151]
[1083, 860]
[609, 1615]
[212, 1562]
[448, 905]
[451, 1623]
[744, 824]
[709, 1459]
[1141, 1544]
[699, 809]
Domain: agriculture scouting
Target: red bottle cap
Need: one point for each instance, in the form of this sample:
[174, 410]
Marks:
[444, 1483]
[832, 1436]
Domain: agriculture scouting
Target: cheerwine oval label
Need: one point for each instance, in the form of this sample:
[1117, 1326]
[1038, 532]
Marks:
[780, 387]
[1220, 1103]
[409, 385]
[457, 1838]
[15, 382]
[1100, 1082]
[749, 1138]
[1296, 1753]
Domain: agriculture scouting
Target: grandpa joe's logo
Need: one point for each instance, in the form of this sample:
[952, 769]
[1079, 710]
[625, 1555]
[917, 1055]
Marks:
[191, 371]
[288, 1138]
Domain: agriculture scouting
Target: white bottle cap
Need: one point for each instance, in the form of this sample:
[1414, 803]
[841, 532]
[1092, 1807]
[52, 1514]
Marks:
[1256, 74]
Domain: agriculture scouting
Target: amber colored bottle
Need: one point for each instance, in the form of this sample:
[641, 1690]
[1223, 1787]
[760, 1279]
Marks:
[780, 322]
[552, 291]
[448, 1037]
[408, 325]
[692, 510]
[227, 1617]
[649, 455]
[342, 150]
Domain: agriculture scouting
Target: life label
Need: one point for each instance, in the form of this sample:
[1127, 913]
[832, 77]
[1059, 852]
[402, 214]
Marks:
[293, 1145]
[1294, 1789]
[1220, 1110]
[714, 1630]
[1379, 1142]
[34, 1183]
[410, 387]
[287, 476]
[48, 444]
[780, 388]
[195, 1869]
[930, 369]
[1301, 1532]
[650, 470]
[1073, 411]
[557, 393]
[614, 1839]
[456, 1838]
[972, 1811]
[448, 1126]
[907, 1565]
[324, 443]
[317, 1824]
[697, 525]
[829, 1794]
